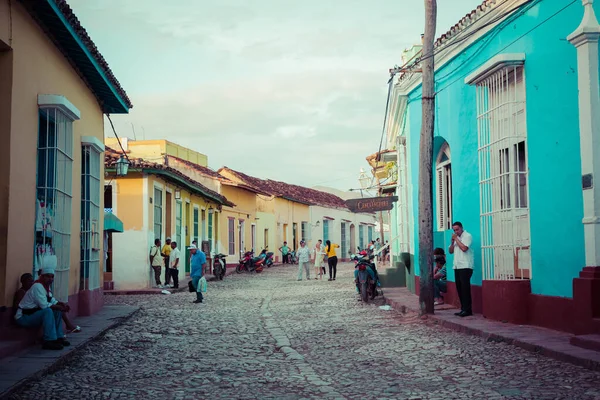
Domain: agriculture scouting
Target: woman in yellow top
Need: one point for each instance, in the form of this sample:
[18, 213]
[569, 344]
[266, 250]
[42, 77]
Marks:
[331, 259]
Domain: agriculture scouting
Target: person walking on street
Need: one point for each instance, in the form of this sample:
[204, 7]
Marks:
[174, 258]
[166, 253]
[331, 259]
[156, 262]
[198, 263]
[303, 255]
[319, 256]
[464, 261]
[285, 250]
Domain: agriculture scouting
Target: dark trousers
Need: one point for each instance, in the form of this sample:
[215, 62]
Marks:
[157, 269]
[286, 259]
[332, 261]
[167, 273]
[175, 276]
[463, 287]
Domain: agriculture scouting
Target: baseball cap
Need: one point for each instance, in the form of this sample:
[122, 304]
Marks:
[193, 246]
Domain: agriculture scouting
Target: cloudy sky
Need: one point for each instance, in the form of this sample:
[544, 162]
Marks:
[292, 90]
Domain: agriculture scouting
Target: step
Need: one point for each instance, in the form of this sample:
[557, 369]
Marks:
[590, 342]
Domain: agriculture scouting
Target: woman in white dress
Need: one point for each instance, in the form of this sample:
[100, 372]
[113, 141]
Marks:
[319, 256]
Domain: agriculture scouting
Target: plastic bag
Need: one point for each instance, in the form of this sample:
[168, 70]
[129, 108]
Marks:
[203, 284]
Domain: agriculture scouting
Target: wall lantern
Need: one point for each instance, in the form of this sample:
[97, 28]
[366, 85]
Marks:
[364, 179]
[177, 194]
[211, 210]
[122, 165]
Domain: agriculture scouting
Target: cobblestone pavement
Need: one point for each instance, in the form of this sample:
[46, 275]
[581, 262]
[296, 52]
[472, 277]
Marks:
[268, 336]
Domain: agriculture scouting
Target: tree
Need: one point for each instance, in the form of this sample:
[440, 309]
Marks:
[426, 161]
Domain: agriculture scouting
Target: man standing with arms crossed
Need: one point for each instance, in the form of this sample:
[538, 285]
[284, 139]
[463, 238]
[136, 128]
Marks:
[463, 267]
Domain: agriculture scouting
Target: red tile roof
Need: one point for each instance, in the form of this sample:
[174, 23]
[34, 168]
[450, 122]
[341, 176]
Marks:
[111, 157]
[201, 169]
[292, 192]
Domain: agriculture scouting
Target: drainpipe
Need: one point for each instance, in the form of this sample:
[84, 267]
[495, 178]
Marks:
[585, 39]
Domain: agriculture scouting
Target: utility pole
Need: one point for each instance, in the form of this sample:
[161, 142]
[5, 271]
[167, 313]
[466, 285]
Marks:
[426, 160]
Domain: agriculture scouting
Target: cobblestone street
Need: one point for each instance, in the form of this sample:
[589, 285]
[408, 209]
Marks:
[269, 336]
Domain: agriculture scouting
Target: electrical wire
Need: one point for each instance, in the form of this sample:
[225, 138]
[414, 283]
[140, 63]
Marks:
[117, 136]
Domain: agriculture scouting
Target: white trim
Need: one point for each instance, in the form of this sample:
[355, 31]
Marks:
[145, 203]
[494, 65]
[60, 102]
[93, 142]
[160, 186]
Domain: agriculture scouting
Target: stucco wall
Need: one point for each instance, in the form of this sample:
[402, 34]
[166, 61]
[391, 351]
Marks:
[40, 68]
[245, 205]
[557, 250]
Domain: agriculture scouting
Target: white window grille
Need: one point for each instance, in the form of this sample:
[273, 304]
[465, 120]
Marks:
[253, 236]
[403, 198]
[196, 225]
[503, 172]
[306, 233]
[90, 218]
[242, 232]
[344, 243]
[158, 203]
[178, 219]
[54, 196]
[443, 173]
[231, 235]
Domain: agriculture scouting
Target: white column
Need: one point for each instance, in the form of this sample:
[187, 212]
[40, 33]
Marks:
[585, 39]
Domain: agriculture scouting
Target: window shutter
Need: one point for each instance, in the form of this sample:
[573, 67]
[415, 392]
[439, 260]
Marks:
[441, 214]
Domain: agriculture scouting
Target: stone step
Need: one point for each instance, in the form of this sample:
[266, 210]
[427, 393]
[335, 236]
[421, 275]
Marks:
[590, 342]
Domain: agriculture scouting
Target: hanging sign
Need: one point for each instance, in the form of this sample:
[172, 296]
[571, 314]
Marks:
[372, 204]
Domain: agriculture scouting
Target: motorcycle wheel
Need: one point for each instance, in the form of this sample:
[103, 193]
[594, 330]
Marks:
[238, 269]
[372, 291]
[363, 292]
[223, 269]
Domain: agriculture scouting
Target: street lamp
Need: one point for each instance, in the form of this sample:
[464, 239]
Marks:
[210, 210]
[177, 194]
[122, 165]
[364, 179]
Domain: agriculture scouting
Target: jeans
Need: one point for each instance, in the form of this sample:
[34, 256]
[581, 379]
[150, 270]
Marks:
[306, 266]
[195, 280]
[174, 272]
[157, 273]
[167, 272]
[286, 259]
[332, 261]
[463, 287]
[439, 287]
[50, 320]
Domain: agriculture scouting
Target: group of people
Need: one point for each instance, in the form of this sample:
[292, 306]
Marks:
[320, 254]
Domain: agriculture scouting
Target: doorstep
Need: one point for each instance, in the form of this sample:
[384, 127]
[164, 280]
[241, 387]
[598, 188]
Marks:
[183, 286]
[34, 363]
[548, 342]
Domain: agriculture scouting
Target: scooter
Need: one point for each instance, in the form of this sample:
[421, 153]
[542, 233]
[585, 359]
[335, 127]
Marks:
[219, 266]
[245, 263]
[367, 287]
[269, 260]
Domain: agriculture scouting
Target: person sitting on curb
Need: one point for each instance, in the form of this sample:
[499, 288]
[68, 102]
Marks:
[39, 308]
[439, 276]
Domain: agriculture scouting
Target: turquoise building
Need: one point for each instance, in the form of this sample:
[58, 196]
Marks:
[506, 160]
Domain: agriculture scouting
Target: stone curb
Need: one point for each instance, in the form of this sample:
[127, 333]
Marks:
[546, 351]
[68, 356]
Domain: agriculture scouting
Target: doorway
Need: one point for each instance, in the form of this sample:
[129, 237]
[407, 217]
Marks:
[242, 242]
[352, 238]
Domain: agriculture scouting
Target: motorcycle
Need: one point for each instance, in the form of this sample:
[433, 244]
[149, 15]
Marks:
[367, 286]
[219, 266]
[269, 259]
[250, 263]
[292, 259]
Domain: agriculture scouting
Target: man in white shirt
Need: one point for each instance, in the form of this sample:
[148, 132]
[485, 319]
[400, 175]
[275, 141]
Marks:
[464, 261]
[156, 261]
[39, 308]
[174, 263]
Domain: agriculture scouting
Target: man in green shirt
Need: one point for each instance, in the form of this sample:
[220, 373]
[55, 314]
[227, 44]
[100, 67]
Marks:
[284, 252]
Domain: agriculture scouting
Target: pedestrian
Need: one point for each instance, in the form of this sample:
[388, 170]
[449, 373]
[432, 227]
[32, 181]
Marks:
[166, 252]
[319, 255]
[464, 262]
[39, 308]
[198, 264]
[439, 276]
[285, 250]
[303, 255]
[156, 262]
[174, 258]
[331, 259]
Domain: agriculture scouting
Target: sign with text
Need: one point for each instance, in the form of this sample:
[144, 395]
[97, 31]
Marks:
[372, 204]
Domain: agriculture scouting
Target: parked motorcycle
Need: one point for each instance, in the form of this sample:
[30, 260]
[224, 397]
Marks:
[219, 266]
[366, 285]
[292, 259]
[245, 263]
[269, 259]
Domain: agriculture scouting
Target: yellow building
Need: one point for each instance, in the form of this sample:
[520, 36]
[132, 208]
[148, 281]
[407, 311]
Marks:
[156, 201]
[157, 150]
[54, 89]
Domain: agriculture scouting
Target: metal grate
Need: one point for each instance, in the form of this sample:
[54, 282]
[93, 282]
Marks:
[158, 203]
[54, 197]
[503, 175]
[90, 219]
[344, 240]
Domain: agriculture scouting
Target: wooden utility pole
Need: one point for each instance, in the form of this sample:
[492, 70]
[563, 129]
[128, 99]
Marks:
[425, 162]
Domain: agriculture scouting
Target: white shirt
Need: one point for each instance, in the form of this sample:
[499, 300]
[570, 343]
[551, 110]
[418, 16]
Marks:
[464, 259]
[175, 254]
[35, 297]
[303, 254]
[157, 261]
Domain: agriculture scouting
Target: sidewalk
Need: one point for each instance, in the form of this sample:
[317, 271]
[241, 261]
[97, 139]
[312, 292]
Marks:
[550, 343]
[34, 362]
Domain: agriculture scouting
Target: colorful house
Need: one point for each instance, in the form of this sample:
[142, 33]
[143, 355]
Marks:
[55, 88]
[515, 150]
[156, 201]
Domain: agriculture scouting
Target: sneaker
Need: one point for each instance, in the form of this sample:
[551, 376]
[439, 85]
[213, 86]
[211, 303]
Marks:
[64, 342]
[52, 345]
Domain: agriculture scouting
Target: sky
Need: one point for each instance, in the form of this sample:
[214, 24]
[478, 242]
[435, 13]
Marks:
[290, 90]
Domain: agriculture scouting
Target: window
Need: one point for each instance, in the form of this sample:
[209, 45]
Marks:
[503, 174]
[370, 233]
[196, 226]
[361, 236]
[203, 225]
[178, 218]
[266, 238]
[242, 233]
[344, 240]
[305, 231]
[231, 235]
[54, 196]
[158, 201]
[210, 228]
[90, 218]
[108, 198]
[325, 230]
[443, 176]
[253, 236]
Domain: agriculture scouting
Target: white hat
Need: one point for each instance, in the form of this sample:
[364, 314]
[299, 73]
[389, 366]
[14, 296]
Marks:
[193, 246]
[47, 271]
